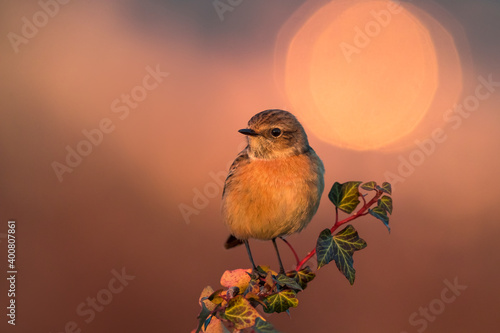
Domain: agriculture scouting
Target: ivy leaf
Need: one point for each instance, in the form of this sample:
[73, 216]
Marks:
[241, 312]
[335, 194]
[303, 277]
[215, 325]
[370, 186]
[347, 242]
[324, 248]
[216, 298]
[280, 301]
[340, 248]
[207, 322]
[254, 299]
[386, 188]
[205, 312]
[262, 271]
[379, 213]
[262, 326]
[345, 196]
[253, 287]
[269, 284]
[291, 283]
[385, 203]
[236, 278]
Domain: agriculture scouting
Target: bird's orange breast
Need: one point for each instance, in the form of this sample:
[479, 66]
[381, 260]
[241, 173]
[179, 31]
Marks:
[271, 198]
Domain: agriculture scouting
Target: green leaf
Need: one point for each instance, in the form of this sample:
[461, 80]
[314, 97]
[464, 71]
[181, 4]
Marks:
[254, 299]
[347, 242]
[291, 283]
[303, 277]
[379, 213]
[385, 203]
[345, 196]
[280, 301]
[370, 186]
[215, 297]
[340, 248]
[324, 248]
[335, 194]
[205, 312]
[241, 312]
[386, 187]
[261, 272]
[262, 326]
[207, 322]
[253, 287]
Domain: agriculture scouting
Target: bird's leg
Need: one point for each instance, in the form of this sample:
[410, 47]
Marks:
[282, 271]
[250, 254]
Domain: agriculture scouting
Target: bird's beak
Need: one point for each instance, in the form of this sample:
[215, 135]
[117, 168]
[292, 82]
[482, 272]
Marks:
[249, 132]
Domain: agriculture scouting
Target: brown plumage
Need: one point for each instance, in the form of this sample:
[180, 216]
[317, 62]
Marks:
[274, 186]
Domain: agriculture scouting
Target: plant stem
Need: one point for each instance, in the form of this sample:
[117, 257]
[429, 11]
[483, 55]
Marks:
[297, 260]
[338, 223]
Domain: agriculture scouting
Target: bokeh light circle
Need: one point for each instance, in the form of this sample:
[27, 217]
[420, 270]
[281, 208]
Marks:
[364, 74]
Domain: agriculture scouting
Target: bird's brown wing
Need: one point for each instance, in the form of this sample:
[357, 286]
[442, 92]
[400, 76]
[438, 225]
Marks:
[241, 159]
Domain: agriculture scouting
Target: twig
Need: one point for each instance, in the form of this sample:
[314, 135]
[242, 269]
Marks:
[359, 213]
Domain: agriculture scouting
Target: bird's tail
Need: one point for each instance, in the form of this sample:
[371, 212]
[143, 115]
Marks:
[232, 242]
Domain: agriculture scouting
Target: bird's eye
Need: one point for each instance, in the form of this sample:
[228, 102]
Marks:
[275, 132]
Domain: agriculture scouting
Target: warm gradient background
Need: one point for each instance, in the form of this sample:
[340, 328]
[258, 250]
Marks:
[121, 206]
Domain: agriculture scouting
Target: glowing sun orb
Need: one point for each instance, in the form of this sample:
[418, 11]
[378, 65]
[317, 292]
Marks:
[361, 74]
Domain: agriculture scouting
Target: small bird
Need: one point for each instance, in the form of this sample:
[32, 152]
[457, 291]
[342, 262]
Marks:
[274, 185]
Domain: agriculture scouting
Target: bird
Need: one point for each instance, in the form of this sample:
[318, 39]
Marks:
[274, 186]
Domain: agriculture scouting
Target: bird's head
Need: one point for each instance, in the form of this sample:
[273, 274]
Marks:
[274, 134]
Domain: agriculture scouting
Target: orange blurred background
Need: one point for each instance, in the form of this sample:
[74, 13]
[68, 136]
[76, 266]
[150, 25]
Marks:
[162, 87]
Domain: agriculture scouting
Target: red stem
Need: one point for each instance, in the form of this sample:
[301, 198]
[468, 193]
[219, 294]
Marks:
[293, 250]
[338, 223]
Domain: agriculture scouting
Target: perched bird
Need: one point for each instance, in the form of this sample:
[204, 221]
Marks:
[274, 185]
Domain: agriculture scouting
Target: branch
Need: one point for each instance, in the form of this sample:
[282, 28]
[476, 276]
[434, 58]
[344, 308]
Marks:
[234, 308]
[361, 212]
